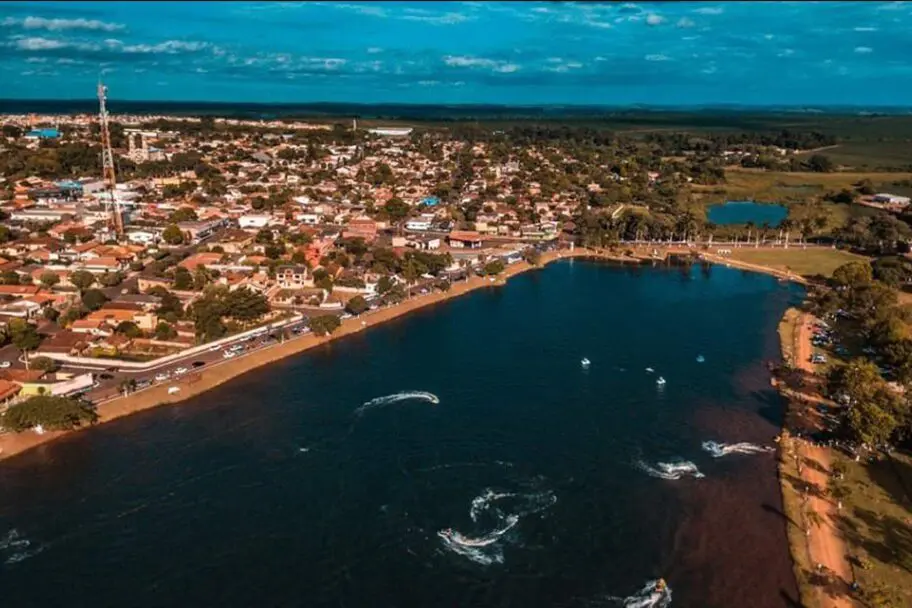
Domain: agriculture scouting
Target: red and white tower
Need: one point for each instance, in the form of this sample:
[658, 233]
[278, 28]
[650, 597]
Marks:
[107, 163]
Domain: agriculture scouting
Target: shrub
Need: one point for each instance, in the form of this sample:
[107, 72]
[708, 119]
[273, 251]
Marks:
[52, 413]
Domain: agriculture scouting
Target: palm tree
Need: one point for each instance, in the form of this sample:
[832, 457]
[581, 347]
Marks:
[750, 229]
[786, 225]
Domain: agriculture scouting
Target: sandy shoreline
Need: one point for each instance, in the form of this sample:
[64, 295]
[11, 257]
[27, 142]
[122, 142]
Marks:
[221, 372]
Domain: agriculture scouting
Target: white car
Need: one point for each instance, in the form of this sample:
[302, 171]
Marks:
[5, 364]
[180, 371]
[161, 377]
[228, 354]
[216, 348]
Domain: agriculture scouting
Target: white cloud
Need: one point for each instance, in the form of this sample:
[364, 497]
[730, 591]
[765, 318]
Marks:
[657, 57]
[36, 60]
[169, 47]
[467, 61]
[444, 19]
[362, 9]
[374, 50]
[865, 29]
[685, 22]
[709, 10]
[653, 19]
[54, 25]
[786, 53]
[39, 44]
[863, 50]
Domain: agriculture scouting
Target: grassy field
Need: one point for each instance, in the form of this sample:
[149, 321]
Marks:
[783, 187]
[877, 524]
[806, 262]
[870, 155]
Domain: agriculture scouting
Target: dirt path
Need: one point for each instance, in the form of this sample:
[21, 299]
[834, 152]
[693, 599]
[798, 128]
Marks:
[825, 544]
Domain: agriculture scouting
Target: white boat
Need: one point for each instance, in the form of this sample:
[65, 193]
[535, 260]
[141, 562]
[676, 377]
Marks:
[700, 359]
[650, 370]
[660, 381]
[585, 362]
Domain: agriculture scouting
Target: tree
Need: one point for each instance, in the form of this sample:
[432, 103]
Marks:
[93, 299]
[532, 256]
[875, 410]
[494, 267]
[128, 329]
[111, 279]
[45, 364]
[324, 324]
[853, 274]
[183, 280]
[184, 214]
[24, 336]
[356, 305]
[396, 209]
[172, 235]
[164, 331]
[82, 279]
[49, 279]
[820, 163]
[52, 413]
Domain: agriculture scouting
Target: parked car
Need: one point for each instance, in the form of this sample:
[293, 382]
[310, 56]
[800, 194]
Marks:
[180, 371]
[5, 364]
[161, 377]
[198, 364]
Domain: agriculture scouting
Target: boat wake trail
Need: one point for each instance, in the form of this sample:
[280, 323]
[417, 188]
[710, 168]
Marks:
[671, 470]
[718, 450]
[396, 398]
[652, 595]
[499, 512]
[15, 548]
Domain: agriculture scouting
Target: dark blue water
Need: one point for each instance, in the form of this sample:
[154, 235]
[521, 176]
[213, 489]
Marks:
[742, 212]
[270, 492]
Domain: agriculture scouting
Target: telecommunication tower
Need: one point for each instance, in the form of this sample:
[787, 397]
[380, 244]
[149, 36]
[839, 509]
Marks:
[107, 163]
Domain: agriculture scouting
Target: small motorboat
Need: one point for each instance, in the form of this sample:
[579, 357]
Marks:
[660, 381]
[585, 362]
[700, 359]
[650, 370]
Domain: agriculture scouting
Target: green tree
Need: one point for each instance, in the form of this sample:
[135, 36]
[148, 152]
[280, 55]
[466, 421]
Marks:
[853, 274]
[111, 279]
[184, 214]
[9, 277]
[494, 267]
[49, 279]
[93, 299]
[172, 235]
[532, 256]
[396, 209]
[45, 364]
[875, 409]
[128, 329]
[183, 280]
[24, 336]
[164, 331]
[356, 305]
[324, 324]
[82, 279]
[52, 413]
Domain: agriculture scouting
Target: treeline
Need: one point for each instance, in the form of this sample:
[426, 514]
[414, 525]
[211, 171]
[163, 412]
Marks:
[678, 143]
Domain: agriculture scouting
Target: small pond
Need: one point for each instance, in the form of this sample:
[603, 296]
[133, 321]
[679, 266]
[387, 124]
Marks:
[742, 212]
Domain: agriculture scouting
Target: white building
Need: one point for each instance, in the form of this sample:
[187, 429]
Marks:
[143, 237]
[891, 199]
[254, 221]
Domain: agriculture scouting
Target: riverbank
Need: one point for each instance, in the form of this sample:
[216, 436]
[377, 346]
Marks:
[223, 371]
[818, 550]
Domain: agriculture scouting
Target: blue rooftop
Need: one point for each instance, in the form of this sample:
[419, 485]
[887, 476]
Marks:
[44, 133]
[430, 201]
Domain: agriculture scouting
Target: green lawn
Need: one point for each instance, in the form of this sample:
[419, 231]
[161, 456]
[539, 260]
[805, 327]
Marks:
[877, 524]
[806, 262]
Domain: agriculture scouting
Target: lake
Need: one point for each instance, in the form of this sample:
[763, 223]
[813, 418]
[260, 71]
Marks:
[741, 212]
[461, 456]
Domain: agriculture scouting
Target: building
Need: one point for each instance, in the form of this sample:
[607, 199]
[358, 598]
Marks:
[199, 230]
[891, 199]
[293, 277]
[254, 221]
[391, 131]
[418, 224]
[45, 133]
[464, 239]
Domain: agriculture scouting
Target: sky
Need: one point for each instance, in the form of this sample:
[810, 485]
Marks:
[513, 53]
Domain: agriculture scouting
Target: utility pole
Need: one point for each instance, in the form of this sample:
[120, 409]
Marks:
[107, 163]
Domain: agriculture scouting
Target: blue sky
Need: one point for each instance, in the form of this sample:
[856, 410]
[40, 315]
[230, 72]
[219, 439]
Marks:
[607, 53]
